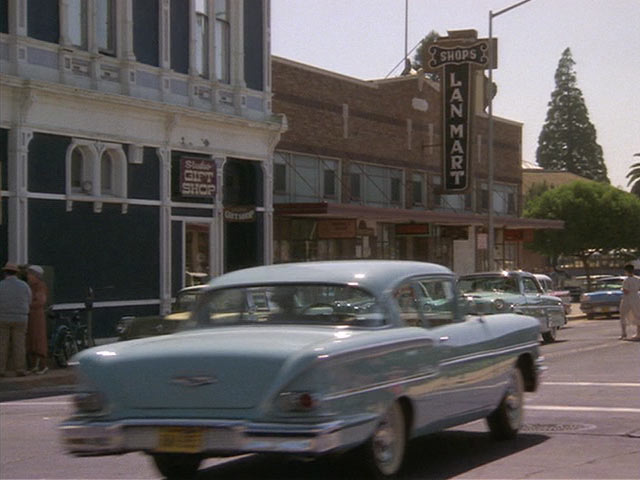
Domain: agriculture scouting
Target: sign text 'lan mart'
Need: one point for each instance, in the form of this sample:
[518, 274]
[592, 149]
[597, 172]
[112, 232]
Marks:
[456, 62]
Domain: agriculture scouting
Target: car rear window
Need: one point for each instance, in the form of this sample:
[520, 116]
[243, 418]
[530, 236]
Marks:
[302, 304]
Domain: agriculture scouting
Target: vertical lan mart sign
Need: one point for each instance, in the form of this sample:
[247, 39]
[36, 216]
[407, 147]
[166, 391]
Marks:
[456, 64]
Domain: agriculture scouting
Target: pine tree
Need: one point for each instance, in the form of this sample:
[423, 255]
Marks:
[568, 138]
[420, 57]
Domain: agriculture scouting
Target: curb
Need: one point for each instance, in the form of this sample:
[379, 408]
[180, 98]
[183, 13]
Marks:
[57, 381]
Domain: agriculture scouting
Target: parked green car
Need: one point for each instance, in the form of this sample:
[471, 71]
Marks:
[307, 359]
[517, 292]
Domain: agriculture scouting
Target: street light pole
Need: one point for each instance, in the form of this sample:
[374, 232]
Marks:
[490, 227]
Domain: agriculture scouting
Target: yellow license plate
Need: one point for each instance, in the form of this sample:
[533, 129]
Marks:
[603, 309]
[180, 439]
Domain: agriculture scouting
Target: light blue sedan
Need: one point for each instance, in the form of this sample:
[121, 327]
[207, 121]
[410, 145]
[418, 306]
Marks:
[307, 359]
[517, 292]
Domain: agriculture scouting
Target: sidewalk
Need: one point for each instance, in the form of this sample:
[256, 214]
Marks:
[57, 381]
[60, 381]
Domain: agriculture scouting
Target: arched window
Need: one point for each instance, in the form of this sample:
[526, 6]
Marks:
[96, 169]
[80, 167]
[106, 174]
[76, 169]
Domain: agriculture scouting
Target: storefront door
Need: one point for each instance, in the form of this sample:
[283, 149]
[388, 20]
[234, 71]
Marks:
[196, 253]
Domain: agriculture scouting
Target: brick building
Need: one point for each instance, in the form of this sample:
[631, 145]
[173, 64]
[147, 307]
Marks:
[358, 174]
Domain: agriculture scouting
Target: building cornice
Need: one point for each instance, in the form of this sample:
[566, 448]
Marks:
[276, 125]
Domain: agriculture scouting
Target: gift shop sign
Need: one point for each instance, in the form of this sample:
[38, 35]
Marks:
[197, 177]
[456, 64]
[241, 214]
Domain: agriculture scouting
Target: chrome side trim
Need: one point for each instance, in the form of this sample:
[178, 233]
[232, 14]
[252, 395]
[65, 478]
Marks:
[491, 353]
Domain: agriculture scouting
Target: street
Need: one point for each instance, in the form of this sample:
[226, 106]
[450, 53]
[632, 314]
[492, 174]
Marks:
[583, 423]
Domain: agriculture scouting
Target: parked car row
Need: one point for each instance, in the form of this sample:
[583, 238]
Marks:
[485, 293]
[315, 358]
[517, 292]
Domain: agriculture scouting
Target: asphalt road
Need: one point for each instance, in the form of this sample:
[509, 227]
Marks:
[583, 423]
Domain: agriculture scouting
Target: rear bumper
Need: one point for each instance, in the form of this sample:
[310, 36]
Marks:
[218, 437]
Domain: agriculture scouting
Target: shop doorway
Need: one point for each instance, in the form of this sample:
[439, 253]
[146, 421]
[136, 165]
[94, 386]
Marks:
[196, 254]
[243, 214]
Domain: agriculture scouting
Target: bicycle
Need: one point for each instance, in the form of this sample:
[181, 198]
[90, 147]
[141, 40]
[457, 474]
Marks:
[68, 336]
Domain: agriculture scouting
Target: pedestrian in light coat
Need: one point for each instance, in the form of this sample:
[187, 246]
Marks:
[630, 303]
[15, 298]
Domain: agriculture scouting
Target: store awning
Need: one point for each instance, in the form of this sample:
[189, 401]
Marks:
[401, 215]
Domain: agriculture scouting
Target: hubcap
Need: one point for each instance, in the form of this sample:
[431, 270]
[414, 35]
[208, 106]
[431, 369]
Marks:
[388, 441]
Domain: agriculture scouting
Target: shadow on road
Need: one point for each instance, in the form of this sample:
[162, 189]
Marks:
[439, 456]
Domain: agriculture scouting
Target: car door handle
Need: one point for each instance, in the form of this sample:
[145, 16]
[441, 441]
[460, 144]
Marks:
[444, 339]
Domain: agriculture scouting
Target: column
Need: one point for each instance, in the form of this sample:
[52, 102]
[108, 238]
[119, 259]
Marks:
[19, 139]
[236, 51]
[267, 170]
[164, 158]
[217, 235]
[18, 30]
[124, 45]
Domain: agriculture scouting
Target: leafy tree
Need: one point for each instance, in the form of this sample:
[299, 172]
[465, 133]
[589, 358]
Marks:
[535, 191]
[598, 218]
[568, 138]
[634, 177]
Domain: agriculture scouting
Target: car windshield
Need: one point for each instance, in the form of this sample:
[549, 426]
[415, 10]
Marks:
[493, 283]
[302, 304]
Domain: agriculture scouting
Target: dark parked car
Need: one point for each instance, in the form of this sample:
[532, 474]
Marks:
[130, 327]
[604, 298]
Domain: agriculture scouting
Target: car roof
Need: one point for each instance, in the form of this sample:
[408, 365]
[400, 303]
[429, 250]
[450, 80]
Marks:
[501, 273]
[193, 288]
[373, 275]
[542, 276]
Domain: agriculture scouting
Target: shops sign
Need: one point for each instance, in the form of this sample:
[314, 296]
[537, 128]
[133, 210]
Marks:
[197, 177]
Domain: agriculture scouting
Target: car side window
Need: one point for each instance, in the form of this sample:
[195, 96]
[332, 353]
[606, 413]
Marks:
[405, 298]
[530, 286]
[437, 301]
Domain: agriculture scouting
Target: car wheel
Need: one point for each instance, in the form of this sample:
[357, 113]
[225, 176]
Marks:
[551, 335]
[384, 452]
[174, 466]
[505, 420]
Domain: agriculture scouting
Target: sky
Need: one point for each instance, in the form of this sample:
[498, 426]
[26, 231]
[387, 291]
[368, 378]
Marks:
[365, 39]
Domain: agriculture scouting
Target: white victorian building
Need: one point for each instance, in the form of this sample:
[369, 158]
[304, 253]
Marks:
[136, 144]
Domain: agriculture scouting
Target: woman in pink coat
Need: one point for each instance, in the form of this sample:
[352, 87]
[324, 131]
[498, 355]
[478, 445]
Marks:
[37, 342]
